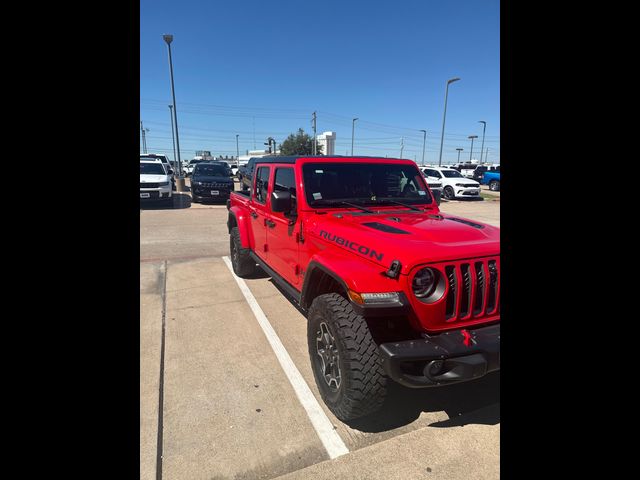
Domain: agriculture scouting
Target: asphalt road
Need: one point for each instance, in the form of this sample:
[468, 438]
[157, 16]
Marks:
[228, 411]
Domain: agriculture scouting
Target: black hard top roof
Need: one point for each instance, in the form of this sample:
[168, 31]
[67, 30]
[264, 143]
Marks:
[293, 159]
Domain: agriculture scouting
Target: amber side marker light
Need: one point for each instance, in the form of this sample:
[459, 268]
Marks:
[374, 298]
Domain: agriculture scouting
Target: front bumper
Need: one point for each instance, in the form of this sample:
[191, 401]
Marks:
[467, 192]
[206, 192]
[150, 194]
[450, 357]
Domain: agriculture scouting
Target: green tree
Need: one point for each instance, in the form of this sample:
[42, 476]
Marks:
[299, 144]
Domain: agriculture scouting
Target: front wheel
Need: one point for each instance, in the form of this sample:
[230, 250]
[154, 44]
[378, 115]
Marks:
[494, 185]
[345, 359]
[449, 194]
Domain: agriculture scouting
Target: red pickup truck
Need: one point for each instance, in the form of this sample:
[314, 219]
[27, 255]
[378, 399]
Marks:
[393, 288]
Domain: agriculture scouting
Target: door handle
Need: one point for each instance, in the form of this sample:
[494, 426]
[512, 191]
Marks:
[269, 223]
[254, 215]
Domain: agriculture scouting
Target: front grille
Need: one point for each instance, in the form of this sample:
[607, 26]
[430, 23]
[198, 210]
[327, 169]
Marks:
[207, 190]
[435, 185]
[149, 185]
[474, 289]
[224, 186]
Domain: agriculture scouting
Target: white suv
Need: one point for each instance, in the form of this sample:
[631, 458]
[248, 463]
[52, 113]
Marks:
[155, 182]
[454, 185]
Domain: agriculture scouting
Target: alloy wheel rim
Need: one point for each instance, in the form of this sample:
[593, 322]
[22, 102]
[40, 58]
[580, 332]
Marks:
[234, 253]
[327, 350]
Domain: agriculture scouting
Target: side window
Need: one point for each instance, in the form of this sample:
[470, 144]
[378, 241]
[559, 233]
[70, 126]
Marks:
[435, 173]
[285, 181]
[261, 186]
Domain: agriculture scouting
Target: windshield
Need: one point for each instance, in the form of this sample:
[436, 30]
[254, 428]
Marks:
[153, 159]
[211, 170]
[364, 183]
[152, 169]
[451, 173]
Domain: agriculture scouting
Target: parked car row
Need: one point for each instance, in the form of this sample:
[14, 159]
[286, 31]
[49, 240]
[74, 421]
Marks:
[211, 179]
[191, 164]
[474, 170]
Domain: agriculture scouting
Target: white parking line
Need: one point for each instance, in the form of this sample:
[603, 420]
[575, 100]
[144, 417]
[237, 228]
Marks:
[328, 436]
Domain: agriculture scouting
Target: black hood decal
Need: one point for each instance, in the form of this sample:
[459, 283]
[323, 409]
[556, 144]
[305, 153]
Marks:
[385, 228]
[466, 222]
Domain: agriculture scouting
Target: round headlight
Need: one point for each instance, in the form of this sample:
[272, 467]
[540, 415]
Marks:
[424, 282]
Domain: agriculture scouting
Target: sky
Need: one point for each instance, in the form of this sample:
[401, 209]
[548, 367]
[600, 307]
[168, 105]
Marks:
[260, 69]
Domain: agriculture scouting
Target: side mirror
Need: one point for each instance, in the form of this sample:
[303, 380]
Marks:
[281, 202]
[170, 172]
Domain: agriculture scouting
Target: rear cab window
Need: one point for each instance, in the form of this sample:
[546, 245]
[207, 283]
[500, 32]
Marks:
[261, 184]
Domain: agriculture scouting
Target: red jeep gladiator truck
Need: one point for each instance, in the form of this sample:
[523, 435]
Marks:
[393, 288]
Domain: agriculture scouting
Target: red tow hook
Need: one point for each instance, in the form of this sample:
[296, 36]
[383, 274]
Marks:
[467, 340]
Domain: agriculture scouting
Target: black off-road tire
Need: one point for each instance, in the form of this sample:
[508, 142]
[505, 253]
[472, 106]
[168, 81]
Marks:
[363, 382]
[242, 263]
[449, 193]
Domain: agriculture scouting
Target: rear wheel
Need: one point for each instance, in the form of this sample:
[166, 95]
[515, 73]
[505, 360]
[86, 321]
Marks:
[345, 359]
[449, 194]
[494, 185]
[241, 261]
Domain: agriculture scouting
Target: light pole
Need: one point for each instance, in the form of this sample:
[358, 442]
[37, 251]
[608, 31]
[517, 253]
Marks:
[459, 150]
[173, 139]
[353, 127]
[446, 94]
[484, 127]
[471, 152]
[401, 146]
[424, 142]
[315, 136]
[144, 138]
[237, 150]
[180, 180]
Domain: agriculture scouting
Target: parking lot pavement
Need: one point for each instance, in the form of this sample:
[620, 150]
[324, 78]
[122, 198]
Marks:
[229, 411]
[183, 234]
[151, 305]
[471, 452]
[486, 211]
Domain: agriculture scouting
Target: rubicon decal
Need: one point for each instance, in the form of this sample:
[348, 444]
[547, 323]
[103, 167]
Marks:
[355, 246]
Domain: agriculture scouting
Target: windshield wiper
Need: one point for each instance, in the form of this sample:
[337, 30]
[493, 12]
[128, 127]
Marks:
[342, 202]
